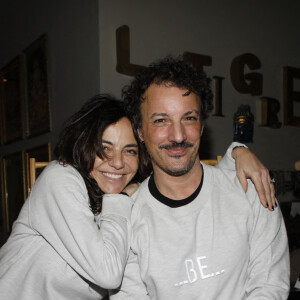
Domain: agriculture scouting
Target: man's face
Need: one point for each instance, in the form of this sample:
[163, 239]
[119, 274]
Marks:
[171, 128]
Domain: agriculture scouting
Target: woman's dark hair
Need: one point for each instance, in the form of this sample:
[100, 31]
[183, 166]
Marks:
[170, 71]
[81, 141]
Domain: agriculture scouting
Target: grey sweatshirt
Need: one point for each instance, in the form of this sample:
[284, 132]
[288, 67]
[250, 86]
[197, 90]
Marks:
[58, 249]
[222, 245]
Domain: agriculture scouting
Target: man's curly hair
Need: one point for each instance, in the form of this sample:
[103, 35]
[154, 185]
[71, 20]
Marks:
[172, 72]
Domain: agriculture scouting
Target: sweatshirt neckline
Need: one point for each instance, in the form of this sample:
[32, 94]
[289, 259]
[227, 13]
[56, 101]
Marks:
[171, 202]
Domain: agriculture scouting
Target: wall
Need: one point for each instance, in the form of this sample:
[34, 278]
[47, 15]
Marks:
[223, 30]
[73, 40]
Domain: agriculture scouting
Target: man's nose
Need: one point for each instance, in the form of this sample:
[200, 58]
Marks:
[177, 133]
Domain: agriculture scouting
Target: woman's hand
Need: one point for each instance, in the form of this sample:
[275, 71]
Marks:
[249, 166]
[131, 188]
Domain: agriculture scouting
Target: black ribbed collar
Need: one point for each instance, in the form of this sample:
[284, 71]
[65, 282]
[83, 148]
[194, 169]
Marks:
[170, 202]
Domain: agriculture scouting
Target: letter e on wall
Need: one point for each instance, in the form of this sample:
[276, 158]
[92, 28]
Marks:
[290, 96]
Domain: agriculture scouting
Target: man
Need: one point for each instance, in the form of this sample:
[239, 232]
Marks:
[196, 233]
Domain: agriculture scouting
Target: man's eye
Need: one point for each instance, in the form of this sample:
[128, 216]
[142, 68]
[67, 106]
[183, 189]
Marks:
[191, 118]
[159, 120]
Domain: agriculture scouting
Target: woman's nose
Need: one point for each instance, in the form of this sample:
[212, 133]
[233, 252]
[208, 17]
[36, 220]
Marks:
[116, 161]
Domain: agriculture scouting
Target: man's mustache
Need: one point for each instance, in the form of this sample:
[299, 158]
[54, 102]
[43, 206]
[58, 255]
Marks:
[177, 145]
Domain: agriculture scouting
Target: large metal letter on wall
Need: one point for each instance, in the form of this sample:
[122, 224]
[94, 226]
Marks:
[123, 52]
[290, 96]
[240, 80]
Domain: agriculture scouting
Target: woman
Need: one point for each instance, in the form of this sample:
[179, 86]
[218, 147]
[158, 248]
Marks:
[71, 240]
[56, 249]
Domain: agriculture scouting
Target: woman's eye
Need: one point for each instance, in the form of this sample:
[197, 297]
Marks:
[132, 151]
[106, 149]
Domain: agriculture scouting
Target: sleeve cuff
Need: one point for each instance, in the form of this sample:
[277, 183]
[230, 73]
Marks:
[228, 162]
[232, 146]
[117, 204]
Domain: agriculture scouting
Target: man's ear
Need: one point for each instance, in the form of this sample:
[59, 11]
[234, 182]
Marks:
[202, 130]
[140, 133]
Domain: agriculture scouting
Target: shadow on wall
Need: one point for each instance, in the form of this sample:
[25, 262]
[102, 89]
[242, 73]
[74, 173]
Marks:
[206, 145]
[3, 238]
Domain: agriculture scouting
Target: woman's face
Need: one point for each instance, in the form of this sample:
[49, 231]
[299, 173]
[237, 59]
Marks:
[115, 171]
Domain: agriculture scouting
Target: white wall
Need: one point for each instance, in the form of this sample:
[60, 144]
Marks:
[223, 30]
